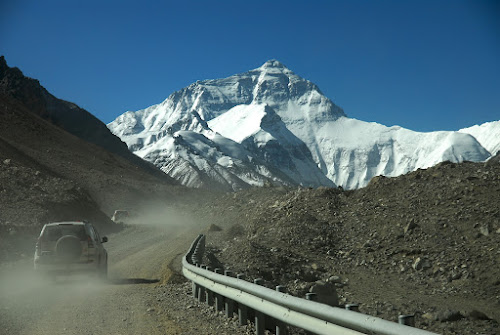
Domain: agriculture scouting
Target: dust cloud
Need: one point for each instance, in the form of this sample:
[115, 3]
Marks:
[138, 254]
[158, 214]
[26, 296]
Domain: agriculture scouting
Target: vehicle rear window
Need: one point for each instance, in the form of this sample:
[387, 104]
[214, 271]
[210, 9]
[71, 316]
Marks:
[53, 233]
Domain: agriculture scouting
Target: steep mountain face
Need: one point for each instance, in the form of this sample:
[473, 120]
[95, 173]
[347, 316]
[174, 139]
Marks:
[268, 98]
[63, 114]
[281, 130]
[261, 131]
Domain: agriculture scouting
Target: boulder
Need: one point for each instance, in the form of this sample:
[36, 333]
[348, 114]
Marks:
[326, 293]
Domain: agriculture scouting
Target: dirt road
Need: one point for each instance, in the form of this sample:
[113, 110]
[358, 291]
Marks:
[139, 259]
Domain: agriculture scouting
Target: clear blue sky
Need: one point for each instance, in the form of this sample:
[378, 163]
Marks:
[423, 65]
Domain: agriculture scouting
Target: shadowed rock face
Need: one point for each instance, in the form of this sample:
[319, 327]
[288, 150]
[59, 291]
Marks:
[66, 115]
[495, 159]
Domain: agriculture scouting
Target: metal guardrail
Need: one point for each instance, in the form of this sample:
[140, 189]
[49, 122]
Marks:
[225, 292]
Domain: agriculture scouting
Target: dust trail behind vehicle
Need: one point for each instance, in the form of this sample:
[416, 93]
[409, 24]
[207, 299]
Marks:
[139, 257]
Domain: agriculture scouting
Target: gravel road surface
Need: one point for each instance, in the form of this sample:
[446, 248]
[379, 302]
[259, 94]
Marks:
[145, 294]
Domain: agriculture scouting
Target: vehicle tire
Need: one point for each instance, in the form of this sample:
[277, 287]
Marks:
[69, 248]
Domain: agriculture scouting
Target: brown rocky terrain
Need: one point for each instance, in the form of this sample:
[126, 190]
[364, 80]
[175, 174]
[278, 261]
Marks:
[426, 243]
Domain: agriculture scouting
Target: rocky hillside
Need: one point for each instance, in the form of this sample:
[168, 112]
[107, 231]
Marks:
[424, 243]
[48, 173]
[66, 115]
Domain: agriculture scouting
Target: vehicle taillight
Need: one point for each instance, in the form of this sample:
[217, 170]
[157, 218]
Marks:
[39, 245]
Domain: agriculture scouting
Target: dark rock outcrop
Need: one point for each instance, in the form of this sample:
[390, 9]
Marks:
[64, 114]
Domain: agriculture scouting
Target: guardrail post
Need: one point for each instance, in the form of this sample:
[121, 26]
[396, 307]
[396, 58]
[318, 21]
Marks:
[242, 309]
[229, 303]
[407, 320]
[218, 298]
[260, 318]
[201, 293]
[280, 325]
[311, 296]
[194, 287]
[201, 289]
[352, 307]
[209, 295]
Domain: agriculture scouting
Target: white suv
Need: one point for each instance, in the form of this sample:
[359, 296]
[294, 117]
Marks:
[70, 247]
[120, 215]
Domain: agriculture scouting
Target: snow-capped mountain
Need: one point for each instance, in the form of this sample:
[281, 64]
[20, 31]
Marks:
[269, 125]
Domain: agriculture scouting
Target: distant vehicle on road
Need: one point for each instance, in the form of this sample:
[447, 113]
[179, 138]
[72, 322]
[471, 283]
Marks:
[70, 247]
[122, 216]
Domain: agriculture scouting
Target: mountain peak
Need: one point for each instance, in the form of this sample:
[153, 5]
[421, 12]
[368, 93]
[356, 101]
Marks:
[5, 70]
[273, 63]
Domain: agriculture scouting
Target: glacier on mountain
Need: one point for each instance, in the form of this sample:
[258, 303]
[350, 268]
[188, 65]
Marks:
[488, 134]
[270, 126]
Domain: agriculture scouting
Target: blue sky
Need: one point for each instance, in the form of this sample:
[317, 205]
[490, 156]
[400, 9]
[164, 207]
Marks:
[423, 65]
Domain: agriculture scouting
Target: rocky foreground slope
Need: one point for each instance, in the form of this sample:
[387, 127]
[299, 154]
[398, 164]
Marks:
[424, 243]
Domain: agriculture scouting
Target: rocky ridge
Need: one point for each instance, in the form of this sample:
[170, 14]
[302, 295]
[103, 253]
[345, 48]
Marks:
[66, 115]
